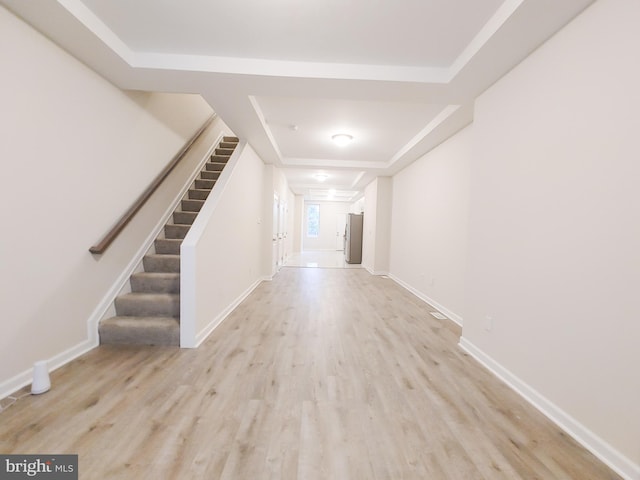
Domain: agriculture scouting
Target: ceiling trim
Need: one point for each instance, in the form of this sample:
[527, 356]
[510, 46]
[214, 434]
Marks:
[489, 29]
[444, 114]
[261, 118]
[292, 69]
[284, 68]
[333, 164]
[357, 179]
[98, 28]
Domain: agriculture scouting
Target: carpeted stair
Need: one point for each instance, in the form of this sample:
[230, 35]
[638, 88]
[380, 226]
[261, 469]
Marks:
[150, 314]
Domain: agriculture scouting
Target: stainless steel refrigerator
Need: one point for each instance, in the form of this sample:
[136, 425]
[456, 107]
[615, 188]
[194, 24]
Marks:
[353, 238]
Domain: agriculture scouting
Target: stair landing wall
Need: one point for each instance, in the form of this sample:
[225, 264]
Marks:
[238, 223]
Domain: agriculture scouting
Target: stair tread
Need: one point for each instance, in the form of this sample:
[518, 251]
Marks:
[152, 304]
[168, 246]
[183, 219]
[155, 282]
[156, 274]
[134, 330]
[123, 319]
[148, 286]
[147, 295]
[162, 262]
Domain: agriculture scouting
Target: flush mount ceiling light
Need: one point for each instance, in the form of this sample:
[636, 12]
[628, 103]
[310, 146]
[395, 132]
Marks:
[321, 177]
[342, 139]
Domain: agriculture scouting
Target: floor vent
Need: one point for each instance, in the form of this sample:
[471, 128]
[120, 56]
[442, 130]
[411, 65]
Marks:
[438, 315]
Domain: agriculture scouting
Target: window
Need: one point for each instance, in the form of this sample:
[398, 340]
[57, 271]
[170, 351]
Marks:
[313, 220]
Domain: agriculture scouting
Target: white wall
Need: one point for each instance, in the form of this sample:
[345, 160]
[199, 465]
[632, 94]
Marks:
[298, 222]
[383, 225]
[376, 235]
[326, 239]
[358, 206]
[430, 222]
[269, 249]
[76, 152]
[291, 223]
[225, 247]
[555, 228]
[370, 206]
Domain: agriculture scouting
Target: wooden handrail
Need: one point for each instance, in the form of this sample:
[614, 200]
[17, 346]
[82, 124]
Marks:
[137, 205]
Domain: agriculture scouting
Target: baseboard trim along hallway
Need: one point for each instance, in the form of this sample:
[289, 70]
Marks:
[579, 432]
[321, 373]
[215, 322]
[451, 315]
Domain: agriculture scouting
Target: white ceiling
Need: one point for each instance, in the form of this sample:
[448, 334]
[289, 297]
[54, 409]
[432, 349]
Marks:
[406, 32]
[400, 76]
[302, 127]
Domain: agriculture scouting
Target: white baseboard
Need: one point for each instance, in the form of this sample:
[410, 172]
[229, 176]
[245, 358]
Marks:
[25, 378]
[596, 445]
[320, 250]
[380, 273]
[377, 273]
[441, 308]
[218, 319]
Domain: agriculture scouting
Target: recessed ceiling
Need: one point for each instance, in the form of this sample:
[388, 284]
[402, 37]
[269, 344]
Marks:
[401, 76]
[304, 181]
[302, 127]
[402, 32]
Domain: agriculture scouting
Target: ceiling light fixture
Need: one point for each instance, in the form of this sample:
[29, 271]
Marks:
[342, 139]
[321, 177]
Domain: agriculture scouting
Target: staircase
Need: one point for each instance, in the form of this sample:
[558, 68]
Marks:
[150, 314]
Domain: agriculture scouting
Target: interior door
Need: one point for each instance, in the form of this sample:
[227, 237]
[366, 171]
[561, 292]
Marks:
[276, 223]
[341, 222]
[282, 233]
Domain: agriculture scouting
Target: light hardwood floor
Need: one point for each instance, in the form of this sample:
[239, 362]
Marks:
[319, 374]
[319, 259]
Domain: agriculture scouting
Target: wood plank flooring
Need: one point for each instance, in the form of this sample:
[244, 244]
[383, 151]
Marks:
[319, 374]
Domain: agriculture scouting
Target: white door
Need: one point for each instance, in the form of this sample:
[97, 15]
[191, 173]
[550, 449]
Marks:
[276, 244]
[341, 223]
[282, 217]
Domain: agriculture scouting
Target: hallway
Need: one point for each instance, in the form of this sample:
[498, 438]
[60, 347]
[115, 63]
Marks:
[322, 373]
[319, 259]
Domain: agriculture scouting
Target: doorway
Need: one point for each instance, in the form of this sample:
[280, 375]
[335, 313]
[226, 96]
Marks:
[341, 223]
